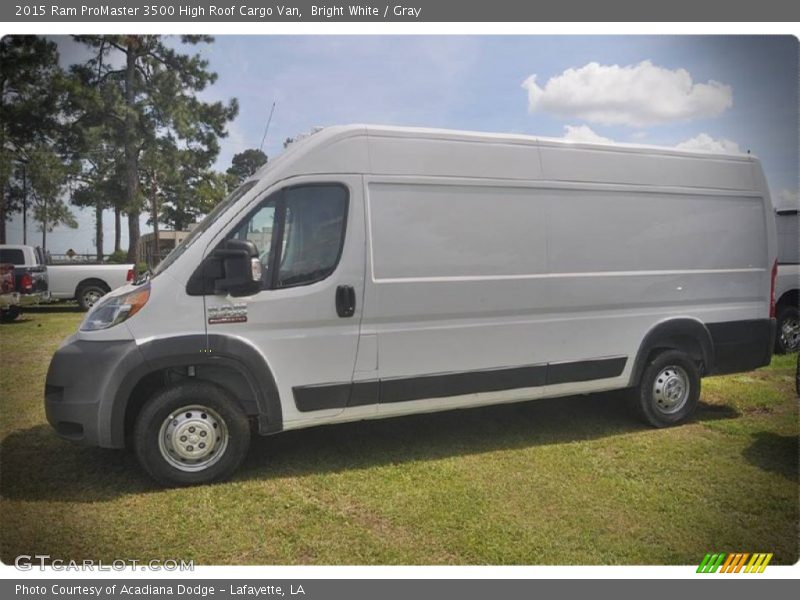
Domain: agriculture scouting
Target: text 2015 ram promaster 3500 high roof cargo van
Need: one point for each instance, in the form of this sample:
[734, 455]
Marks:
[376, 271]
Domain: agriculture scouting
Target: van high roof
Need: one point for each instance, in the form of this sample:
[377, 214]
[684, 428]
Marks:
[389, 150]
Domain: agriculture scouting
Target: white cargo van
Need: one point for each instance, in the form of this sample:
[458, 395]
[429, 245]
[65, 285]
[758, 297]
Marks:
[370, 272]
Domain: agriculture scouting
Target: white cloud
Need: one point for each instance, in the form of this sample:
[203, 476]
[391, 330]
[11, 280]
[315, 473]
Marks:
[636, 95]
[702, 142]
[705, 142]
[584, 133]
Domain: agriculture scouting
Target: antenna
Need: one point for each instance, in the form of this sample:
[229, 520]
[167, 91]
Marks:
[266, 129]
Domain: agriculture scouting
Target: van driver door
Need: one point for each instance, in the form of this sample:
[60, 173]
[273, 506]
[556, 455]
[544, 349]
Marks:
[305, 321]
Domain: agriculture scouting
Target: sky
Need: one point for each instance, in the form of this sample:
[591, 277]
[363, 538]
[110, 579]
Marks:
[721, 93]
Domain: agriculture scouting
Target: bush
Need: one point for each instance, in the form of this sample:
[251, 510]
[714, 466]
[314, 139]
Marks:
[119, 257]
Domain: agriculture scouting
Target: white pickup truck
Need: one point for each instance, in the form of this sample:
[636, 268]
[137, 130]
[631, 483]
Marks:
[87, 283]
[84, 282]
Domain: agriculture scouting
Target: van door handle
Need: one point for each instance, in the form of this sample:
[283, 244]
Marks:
[345, 301]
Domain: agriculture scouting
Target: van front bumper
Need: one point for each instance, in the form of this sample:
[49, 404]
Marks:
[82, 386]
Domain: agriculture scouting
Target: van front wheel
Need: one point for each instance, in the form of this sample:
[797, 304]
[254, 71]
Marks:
[669, 390]
[191, 433]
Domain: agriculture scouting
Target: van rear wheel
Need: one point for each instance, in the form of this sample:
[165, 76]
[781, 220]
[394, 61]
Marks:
[191, 433]
[669, 389]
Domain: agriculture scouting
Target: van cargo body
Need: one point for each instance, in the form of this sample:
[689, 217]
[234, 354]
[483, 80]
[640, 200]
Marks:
[377, 271]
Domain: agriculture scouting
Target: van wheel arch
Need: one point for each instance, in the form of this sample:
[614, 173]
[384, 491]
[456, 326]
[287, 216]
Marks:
[687, 335]
[234, 366]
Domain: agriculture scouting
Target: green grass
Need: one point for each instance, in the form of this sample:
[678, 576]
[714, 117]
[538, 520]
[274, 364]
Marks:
[564, 481]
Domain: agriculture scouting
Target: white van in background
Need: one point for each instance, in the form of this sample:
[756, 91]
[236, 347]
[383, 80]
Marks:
[378, 271]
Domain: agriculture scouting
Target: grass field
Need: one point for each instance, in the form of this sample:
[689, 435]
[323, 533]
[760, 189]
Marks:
[565, 481]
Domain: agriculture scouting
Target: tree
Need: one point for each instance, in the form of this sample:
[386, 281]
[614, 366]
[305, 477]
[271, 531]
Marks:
[99, 186]
[193, 190]
[158, 87]
[29, 108]
[94, 142]
[245, 164]
[48, 175]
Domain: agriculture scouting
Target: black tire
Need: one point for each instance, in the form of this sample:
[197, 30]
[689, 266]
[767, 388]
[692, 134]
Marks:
[88, 294]
[203, 398]
[655, 405]
[788, 318]
[7, 315]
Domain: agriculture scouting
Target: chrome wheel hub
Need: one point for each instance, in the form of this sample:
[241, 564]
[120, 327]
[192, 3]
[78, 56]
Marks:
[790, 334]
[89, 298]
[193, 438]
[671, 389]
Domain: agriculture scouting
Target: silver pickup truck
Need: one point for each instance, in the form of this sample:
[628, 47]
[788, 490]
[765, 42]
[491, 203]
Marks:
[87, 283]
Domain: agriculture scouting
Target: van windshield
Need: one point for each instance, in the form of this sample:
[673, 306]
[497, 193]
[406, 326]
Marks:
[203, 226]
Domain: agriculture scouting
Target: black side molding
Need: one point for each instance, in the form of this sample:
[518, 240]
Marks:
[741, 346]
[726, 347]
[440, 385]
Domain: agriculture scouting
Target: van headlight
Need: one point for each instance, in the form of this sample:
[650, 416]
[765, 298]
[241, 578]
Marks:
[115, 310]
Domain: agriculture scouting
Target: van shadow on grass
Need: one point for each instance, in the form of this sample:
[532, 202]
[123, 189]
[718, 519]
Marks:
[39, 466]
[774, 453]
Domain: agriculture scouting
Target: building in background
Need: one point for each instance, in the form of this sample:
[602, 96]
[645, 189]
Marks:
[167, 240]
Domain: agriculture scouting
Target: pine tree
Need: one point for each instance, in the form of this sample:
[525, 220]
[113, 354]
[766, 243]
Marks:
[245, 164]
[30, 90]
[48, 175]
[157, 88]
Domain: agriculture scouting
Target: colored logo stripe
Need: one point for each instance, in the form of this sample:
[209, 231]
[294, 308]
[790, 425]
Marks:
[711, 563]
[735, 562]
[758, 563]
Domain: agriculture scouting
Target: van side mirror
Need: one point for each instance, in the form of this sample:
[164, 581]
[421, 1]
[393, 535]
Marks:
[241, 268]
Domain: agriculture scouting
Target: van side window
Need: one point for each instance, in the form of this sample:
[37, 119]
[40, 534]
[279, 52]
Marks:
[299, 232]
[312, 234]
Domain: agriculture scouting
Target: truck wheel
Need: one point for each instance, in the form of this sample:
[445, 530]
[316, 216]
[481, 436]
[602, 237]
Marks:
[797, 377]
[7, 315]
[88, 295]
[788, 330]
[669, 390]
[191, 433]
